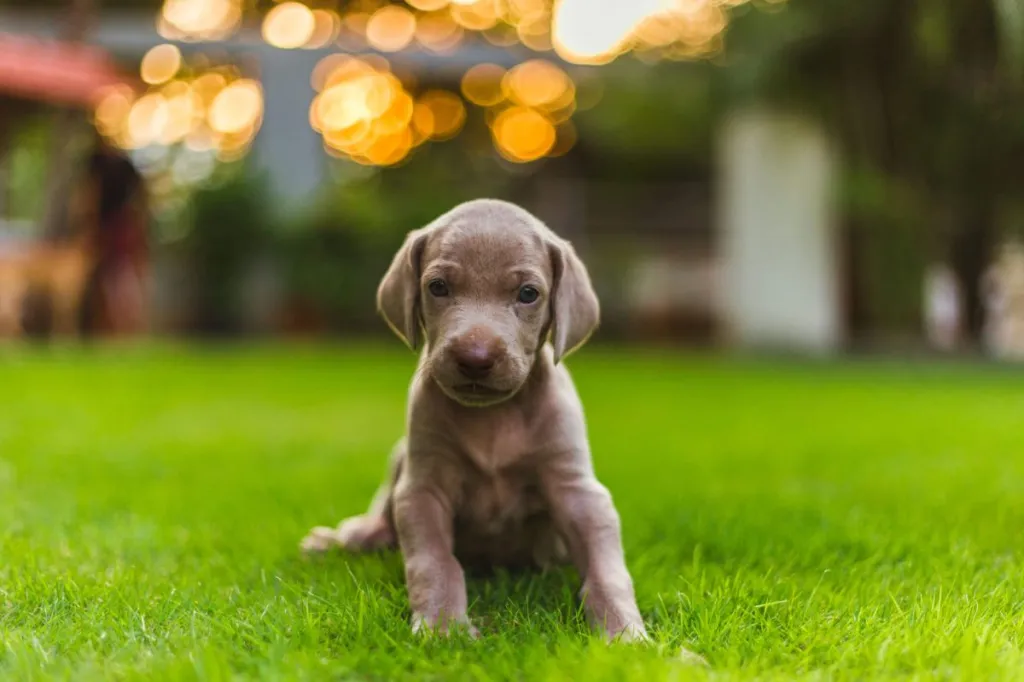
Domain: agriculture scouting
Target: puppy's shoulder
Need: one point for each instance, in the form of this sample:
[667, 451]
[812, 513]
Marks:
[554, 402]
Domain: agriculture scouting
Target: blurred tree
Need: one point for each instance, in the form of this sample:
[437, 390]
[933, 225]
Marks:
[229, 229]
[925, 96]
[334, 255]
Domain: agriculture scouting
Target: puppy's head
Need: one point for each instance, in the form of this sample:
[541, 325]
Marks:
[484, 287]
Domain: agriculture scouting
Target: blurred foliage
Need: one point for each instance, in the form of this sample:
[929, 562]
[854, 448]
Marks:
[333, 257]
[653, 111]
[909, 86]
[230, 228]
[27, 150]
[925, 97]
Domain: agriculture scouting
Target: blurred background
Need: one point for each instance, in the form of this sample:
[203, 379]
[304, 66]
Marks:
[815, 176]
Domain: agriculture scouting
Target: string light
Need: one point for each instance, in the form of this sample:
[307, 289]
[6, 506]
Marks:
[364, 112]
[160, 64]
[289, 25]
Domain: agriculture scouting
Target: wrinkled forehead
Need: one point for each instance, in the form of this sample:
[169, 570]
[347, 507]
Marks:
[483, 250]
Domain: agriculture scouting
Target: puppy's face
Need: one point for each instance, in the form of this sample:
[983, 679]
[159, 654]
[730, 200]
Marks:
[484, 293]
[485, 284]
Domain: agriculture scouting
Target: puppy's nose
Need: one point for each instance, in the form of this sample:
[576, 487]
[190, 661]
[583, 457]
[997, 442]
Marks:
[476, 358]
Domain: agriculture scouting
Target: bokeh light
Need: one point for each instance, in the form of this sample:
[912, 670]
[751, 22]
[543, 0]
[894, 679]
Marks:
[476, 15]
[325, 68]
[522, 134]
[428, 5]
[422, 121]
[391, 28]
[200, 108]
[199, 19]
[366, 113]
[363, 111]
[584, 35]
[482, 85]
[208, 85]
[581, 31]
[237, 107]
[438, 32]
[675, 29]
[160, 64]
[112, 111]
[181, 108]
[539, 83]
[327, 26]
[289, 25]
[146, 120]
[532, 19]
[447, 113]
[528, 108]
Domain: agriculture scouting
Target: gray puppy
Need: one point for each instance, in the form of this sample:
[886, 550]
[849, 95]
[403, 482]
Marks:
[496, 467]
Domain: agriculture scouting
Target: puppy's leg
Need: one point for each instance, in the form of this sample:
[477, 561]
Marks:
[583, 509]
[369, 532]
[434, 578]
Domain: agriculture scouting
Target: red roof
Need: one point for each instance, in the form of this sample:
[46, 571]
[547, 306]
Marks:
[54, 72]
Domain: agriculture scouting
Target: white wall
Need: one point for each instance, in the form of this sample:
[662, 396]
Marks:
[777, 229]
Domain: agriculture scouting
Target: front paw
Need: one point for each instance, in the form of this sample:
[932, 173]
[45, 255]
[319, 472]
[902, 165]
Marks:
[423, 624]
[636, 634]
[630, 634]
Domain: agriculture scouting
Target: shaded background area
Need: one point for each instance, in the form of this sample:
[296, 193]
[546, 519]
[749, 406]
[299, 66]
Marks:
[809, 175]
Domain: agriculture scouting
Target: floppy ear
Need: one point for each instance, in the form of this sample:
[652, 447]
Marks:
[398, 297]
[575, 311]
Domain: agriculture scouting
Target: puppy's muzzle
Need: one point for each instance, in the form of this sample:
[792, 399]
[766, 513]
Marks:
[476, 353]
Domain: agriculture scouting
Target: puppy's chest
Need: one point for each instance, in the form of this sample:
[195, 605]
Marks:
[491, 505]
[494, 445]
[500, 488]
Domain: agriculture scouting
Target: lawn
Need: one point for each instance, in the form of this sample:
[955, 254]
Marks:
[786, 520]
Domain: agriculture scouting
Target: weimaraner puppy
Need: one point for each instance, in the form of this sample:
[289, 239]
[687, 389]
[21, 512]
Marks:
[495, 469]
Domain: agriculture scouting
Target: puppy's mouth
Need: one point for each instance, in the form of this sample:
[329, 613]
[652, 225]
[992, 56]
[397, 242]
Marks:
[483, 392]
[476, 391]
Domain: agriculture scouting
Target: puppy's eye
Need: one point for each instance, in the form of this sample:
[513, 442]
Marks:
[528, 294]
[437, 287]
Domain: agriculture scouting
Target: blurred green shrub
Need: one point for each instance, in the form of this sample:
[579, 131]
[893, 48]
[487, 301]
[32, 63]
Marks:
[29, 145]
[333, 257]
[230, 227]
[331, 268]
[328, 259]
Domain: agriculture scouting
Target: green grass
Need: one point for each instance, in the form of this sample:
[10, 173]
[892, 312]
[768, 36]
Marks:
[788, 521]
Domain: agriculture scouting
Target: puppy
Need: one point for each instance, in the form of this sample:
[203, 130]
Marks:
[495, 469]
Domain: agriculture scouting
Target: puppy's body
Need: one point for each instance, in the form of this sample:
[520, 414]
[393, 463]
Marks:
[495, 460]
[496, 467]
